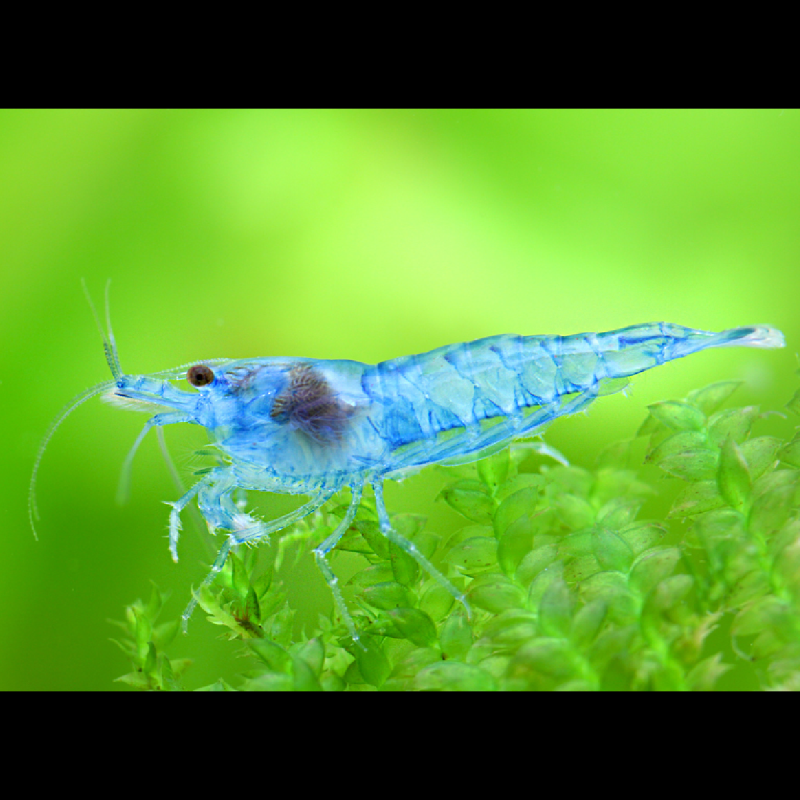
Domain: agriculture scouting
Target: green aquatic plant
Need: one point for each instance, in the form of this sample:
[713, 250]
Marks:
[570, 587]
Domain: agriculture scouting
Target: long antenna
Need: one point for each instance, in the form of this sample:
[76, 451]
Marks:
[33, 511]
[112, 359]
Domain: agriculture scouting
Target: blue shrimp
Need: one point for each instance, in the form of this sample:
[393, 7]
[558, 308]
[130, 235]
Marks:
[313, 427]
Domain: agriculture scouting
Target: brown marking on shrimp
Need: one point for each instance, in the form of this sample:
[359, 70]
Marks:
[309, 403]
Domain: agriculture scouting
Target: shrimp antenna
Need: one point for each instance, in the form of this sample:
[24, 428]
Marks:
[33, 511]
[109, 345]
[112, 359]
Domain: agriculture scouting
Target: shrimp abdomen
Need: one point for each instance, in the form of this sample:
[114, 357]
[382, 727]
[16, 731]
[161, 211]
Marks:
[525, 380]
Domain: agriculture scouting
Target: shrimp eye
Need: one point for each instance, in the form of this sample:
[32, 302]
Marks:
[200, 375]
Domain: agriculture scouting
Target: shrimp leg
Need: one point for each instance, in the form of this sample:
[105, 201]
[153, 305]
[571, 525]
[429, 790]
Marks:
[321, 556]
[411, 549]
[174, 517]
[218, 509]
[217, 506]
[159, 420]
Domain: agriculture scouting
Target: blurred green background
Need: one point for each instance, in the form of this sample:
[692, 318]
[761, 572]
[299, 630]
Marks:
[341, 234]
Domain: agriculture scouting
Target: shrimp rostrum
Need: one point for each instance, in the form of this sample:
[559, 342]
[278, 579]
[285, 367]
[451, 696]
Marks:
[313, 427]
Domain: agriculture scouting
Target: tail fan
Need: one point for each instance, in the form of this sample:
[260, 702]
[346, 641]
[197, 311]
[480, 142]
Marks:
[753, 336]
